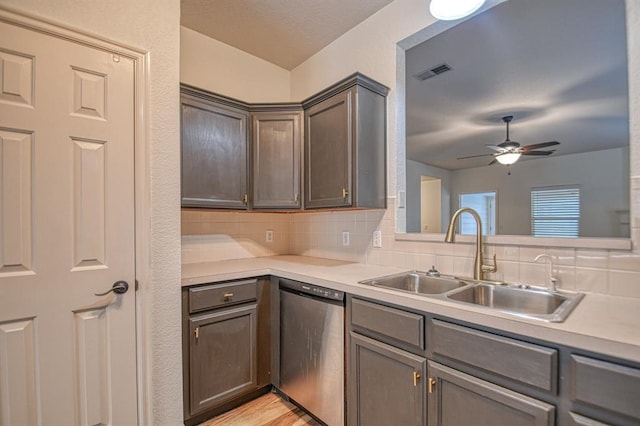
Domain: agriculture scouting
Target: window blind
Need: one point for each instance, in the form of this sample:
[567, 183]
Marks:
[555, 212]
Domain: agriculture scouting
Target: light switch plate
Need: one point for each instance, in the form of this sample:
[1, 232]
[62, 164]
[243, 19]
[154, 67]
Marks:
[345, 238]
[268, 237]
[377, 239]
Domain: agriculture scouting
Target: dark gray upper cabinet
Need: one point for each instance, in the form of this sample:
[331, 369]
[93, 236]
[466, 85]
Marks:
[345, 164]
[456, 399]
[386, 385]
[345, 145]
[214, 152]
[276, 142]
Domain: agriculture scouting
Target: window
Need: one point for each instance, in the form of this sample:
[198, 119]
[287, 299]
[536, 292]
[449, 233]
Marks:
[555, 211]
[485, 204]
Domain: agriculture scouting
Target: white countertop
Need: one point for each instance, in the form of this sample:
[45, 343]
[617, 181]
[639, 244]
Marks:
[606, 324]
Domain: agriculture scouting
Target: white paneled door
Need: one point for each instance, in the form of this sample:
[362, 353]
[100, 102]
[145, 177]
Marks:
[67, 356]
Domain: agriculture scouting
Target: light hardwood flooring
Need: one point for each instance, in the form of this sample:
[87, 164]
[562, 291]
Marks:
[268, 410]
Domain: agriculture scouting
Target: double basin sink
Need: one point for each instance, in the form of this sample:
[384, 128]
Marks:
[523, 301]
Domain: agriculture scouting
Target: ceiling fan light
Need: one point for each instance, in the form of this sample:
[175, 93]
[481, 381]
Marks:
[449, 10]
[508, 158]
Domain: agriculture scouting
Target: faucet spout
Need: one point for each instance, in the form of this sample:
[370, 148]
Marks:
[479, 269]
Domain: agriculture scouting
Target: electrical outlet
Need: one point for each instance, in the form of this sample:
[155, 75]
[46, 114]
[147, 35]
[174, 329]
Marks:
[377, 239]
[269, 236]
[345, 238]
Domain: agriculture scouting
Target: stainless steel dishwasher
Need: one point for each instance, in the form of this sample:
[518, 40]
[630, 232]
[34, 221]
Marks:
[312, 349]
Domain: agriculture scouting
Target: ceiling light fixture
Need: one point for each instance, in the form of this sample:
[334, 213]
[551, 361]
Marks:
[508, 158]
[449, 10]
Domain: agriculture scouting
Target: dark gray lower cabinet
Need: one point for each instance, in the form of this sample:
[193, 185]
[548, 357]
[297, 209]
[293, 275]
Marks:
[386, 385]
[226, 346]
[223, 356]
[456, 399]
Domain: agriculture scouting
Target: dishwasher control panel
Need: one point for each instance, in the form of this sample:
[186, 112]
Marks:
[313, 290]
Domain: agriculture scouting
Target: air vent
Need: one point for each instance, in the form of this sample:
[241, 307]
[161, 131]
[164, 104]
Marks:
[427, 74]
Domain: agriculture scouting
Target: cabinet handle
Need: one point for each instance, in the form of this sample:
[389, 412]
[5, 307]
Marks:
[196, 333]
[295, 198]
[432, 384]
[416, 377]
[345, 193]
[245, 199]
[227, 296]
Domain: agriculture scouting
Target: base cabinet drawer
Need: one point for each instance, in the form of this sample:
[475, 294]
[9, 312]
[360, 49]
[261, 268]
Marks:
[457, 399]
[578, 420]
[219, 295]
[533, 365]
[386, 385]
[606, 386]
[392, 325]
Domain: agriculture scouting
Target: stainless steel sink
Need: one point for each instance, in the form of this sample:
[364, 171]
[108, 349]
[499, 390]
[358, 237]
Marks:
[522, 301]
[417, 282]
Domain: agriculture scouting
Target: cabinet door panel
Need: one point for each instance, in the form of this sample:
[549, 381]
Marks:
[328, 152]
[214, 155]
[276, 160]
[386, 385]
[460, 399]
[223, 356]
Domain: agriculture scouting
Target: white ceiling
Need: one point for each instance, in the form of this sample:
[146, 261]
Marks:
[558, 66]
[283, 32]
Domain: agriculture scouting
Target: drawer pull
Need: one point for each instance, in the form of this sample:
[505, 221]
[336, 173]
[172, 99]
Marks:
[227, 296]
[416, 377]
[432, 384]
[196, 333]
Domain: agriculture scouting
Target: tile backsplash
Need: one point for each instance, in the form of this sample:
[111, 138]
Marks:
[215, 235]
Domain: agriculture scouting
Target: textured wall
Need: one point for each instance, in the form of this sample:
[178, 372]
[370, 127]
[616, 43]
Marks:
[151, 25]
[212, 65]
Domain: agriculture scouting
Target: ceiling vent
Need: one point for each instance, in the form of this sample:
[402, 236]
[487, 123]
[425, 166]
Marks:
[427, 74]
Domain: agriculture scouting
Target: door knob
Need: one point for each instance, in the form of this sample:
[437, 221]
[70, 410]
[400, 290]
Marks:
[119, 287]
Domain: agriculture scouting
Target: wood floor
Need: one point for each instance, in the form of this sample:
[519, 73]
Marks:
[268, 410]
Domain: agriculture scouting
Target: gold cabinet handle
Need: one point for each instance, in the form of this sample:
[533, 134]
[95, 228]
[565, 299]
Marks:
[432, 384]
[245, 199]
[416, 378]
[296, 198]
[345, 193]
[196, 333]
[227, 296]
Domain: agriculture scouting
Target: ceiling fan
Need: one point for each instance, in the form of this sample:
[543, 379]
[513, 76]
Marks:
[508, 152]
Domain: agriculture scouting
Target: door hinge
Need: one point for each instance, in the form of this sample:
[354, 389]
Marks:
[345, 193]
[432, 384]
[416, 378]
[196, 333]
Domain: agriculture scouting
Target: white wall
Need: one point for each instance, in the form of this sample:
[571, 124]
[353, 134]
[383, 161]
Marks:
[212, 65]
[603, 177]
[152, 25]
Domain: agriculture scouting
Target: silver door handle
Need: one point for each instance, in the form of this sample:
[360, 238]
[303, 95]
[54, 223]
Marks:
[119, 287]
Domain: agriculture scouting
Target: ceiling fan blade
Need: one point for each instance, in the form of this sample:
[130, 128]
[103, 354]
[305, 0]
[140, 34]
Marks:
[474, 156]
[540, 145]
[496, 147]
[538, 152]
